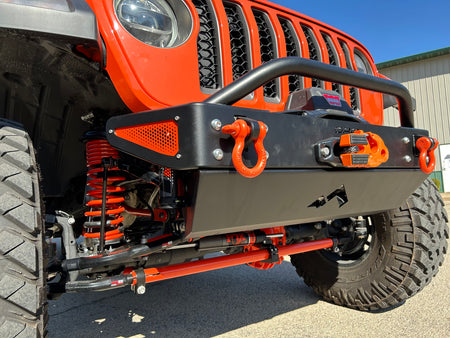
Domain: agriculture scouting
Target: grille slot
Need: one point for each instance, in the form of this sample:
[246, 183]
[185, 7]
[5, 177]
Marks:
[267, 44]
[292, 49]
[314, 51]
[239, 40]
[333, 59]
[208, 50]
[354, 93]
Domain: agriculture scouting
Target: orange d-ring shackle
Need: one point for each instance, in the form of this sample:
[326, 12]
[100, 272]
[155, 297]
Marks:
[426, 146]
[239, 130]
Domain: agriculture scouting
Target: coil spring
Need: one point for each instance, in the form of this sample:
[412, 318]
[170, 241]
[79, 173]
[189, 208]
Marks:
[96, 151]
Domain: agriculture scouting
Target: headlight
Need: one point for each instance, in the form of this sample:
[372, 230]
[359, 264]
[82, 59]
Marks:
[158, 23]
[362, 64]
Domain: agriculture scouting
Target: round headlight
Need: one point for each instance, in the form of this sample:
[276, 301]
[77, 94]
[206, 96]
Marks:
[154, 22]
[362, 64]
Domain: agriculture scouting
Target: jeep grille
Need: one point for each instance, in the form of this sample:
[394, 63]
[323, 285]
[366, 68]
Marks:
[236, 19]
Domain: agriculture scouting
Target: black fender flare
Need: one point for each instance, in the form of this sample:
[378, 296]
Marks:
[67, 20]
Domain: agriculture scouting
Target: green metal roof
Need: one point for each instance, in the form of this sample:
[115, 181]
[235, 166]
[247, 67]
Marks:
[414, 58]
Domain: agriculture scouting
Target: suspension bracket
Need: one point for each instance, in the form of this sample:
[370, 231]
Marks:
[139, 287]
[273, 254]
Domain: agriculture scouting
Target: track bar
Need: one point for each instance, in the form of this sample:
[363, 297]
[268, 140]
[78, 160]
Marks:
[177, 270]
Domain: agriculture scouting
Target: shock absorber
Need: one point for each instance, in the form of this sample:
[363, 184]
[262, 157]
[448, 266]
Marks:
[104, 197]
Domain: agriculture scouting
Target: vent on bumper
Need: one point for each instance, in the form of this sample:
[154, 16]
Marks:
[161, 137]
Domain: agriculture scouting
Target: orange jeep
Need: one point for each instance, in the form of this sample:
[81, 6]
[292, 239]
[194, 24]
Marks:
[140, 136]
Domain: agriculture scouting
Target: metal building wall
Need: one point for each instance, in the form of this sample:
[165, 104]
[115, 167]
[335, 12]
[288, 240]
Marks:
[429, 83]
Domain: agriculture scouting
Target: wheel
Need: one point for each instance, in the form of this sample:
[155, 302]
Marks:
[403, 251]
[23, 295]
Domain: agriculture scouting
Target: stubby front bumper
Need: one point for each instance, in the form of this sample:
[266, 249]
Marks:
[300, 183]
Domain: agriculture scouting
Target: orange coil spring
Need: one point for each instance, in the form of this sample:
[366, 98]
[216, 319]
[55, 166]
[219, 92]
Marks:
[96, 150]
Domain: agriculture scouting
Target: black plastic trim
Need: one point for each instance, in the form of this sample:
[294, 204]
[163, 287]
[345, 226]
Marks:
[76, 20]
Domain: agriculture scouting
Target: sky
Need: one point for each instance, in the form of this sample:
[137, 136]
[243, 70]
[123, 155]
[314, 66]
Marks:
[388, 29]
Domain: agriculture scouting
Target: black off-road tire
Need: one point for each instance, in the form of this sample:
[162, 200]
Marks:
[406, 249]
[23, 296]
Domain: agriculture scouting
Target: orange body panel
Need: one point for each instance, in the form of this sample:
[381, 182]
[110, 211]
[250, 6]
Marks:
[148, 78]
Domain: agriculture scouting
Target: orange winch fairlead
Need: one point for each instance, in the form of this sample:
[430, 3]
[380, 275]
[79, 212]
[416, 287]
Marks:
[366, 150]
[240, 130]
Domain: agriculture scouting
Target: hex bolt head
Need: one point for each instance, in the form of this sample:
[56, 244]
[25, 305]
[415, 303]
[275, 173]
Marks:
[176, 118]
[140, 290]
[178, 156]
[407, 158]
[71, 221]
[325, 151]
[218, 154]
[405, 140]
[216, 124]
[110, 131]
[267, 155]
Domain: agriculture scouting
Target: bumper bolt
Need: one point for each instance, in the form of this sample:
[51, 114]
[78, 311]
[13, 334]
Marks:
[216, 124]
[218, 154]
[140, 290]
[405, 140]
[325, 151]
[407, 158]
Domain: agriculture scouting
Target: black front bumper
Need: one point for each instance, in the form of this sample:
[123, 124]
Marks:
[297, 185]
[291, 140]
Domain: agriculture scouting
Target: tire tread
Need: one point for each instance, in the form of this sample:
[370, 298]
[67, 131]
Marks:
[23, 302]
[420, 232]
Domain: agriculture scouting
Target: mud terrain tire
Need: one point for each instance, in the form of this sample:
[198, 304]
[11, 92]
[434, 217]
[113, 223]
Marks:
[23, 301]
[406, 249]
